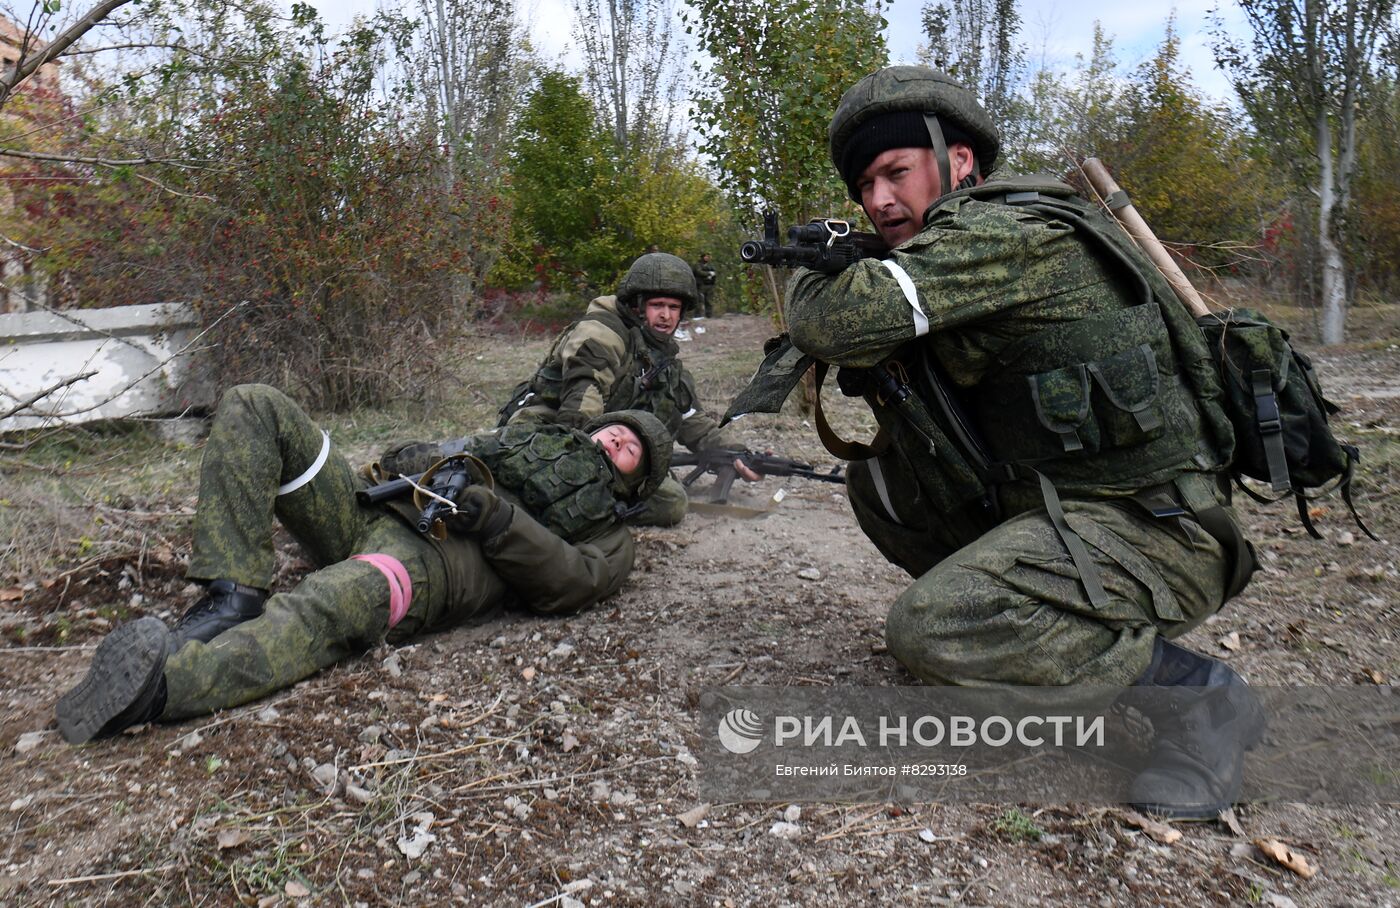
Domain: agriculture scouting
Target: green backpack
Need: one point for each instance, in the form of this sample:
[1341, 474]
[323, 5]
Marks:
[1275, 402]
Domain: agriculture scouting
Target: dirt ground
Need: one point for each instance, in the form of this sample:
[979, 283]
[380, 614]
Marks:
[529, 761]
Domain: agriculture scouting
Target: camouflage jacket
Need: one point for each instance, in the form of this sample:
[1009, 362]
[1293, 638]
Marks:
[1046, 352]
[609, 361]
[565, 546]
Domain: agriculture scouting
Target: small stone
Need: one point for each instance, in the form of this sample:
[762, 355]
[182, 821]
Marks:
[599, 790]
[411, 877]
[622, 798]
[792, 814]
[393, 665]
[551, 794]
[561, 651]
[296, 890]
[518, 807]
[372, 734]
[19, 804]
[326, 776]
[691, 817]
[365, 873]
[570, 741]
[1343, 538]
[784, 830]
[30, 741]
[1242, 850]
[809, 574]
[270, 714]
[357, 794]
[926, 835]
[529, 673]
[1282, 901]
[582, 885]
[685, 758]
[413, 846]
[570, 902]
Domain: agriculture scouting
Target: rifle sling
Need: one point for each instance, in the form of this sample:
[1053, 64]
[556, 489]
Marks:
[838, 446]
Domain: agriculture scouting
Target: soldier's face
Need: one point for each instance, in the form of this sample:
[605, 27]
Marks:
[622, 446]
[899, 185]
[662, 314]
[896, 189]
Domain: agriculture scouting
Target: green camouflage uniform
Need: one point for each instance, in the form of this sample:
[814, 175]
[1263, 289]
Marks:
[609, 360]
[1058, 368]
[261, 441]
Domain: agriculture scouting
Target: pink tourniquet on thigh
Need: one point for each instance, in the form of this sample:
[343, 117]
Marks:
[400, 587]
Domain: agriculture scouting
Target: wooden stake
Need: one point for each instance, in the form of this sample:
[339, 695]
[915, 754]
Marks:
[1137, 228]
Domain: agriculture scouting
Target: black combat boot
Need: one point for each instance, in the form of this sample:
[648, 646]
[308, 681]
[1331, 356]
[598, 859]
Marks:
[223, 605]
[1205, 718]
[125, 685]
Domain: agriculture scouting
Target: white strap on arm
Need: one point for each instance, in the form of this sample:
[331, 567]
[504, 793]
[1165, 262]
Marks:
[907, 285]
[289, 487]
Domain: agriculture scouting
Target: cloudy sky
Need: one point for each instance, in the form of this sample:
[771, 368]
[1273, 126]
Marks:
[1054, 30]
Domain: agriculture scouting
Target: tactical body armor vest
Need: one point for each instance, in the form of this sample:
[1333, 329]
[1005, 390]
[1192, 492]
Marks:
[558, 475]
[1119, 400]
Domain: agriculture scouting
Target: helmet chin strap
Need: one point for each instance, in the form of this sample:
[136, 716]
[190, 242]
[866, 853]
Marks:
[940, 153]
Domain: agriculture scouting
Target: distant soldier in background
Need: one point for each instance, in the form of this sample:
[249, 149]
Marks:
[705, 276]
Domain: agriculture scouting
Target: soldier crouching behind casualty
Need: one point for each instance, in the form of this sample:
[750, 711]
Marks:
[623, 355]
[549, 536]
[1048, 474]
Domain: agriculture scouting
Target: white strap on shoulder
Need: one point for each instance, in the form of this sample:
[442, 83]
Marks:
[289, 487]
[912, 295]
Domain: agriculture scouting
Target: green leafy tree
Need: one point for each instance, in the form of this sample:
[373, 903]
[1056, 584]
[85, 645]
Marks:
[777, 72]
[558, 159]
[1192, 171]
[1303, 76]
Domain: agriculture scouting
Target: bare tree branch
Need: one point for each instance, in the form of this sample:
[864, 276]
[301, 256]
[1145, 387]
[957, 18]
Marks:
[40, 395]
[104, 162]
[57, 46]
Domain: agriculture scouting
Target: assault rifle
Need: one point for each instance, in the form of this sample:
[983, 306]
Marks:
[443, 482]
[827, 245]
[720, 461]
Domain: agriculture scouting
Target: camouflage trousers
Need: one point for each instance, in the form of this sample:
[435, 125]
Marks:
[260, 446]
[1009, 608]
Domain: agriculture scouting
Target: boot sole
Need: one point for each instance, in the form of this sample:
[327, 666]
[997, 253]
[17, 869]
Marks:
[126, 663]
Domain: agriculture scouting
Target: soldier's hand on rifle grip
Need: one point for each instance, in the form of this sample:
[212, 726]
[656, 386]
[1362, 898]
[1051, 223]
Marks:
[480, 513]
[745, 473]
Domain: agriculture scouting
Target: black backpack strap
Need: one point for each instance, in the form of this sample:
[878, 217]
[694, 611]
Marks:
[1266, 413]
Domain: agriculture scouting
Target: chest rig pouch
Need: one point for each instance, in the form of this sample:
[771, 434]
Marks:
[654, 382]
[558, 475]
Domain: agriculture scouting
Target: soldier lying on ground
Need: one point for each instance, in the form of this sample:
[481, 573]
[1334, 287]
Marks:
[549, 536]
[622, 355]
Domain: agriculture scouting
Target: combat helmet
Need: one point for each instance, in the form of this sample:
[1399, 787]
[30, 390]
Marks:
[657, 274]
[949, 109]
[656, 443]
